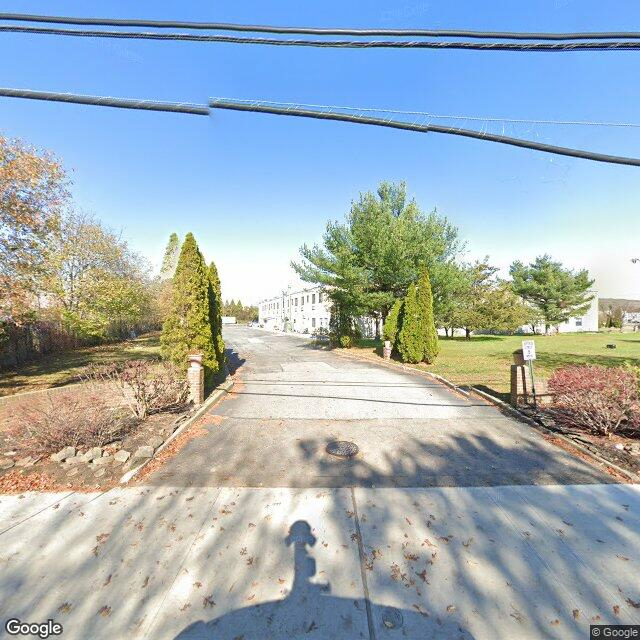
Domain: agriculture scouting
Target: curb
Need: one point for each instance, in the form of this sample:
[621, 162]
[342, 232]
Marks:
[507, 408]
[220, 391]
[399, 365]
[530, 421]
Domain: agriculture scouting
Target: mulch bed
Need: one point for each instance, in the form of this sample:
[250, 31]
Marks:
[43, 474]
[622, 451]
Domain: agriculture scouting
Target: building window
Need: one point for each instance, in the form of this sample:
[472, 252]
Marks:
[320, 297]
[578, 322]
[313, 299]
[296, 302]
[313, 323]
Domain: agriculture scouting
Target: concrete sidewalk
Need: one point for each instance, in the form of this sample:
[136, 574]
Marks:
[478, 562]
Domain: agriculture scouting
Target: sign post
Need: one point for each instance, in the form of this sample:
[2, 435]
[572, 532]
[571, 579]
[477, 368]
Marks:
[529, 355]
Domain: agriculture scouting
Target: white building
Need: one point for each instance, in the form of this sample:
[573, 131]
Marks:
[302, 311]
[586, 322]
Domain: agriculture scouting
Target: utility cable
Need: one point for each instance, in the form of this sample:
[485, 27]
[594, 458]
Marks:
[100, 101]
[631, 45]
[426, 128]
[426, 114]
[324, 31]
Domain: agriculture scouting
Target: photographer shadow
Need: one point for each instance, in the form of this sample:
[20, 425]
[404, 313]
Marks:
[310, 611]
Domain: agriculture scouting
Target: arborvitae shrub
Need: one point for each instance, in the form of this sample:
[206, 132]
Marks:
[215, 315]
[425, 306]
[392, 323]
[187, 328]
[410, 343]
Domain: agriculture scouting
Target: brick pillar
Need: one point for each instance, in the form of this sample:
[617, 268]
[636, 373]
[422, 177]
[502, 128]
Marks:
[195, 378]
[386, 350]
[518, 383]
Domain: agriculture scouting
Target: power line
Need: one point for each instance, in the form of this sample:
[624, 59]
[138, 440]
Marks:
[330, 31]
[100, 101]
[632, 45]
[426, 114]
[428, 128]
[190, 108]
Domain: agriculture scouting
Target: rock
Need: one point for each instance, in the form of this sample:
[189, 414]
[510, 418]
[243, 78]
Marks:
[25, 462]
[6, 464]
[73, 471]
[92, 454]
[619, 447]
[142, 453]
[102, 461]
[64, 454]
[10, 454]
[121, 456]
[100, 472]
[155, 442]
[74, 460]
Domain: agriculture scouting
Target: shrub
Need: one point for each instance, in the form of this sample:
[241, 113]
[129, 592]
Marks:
[392, 323]
[601, 400]
[67, 418]
[345, 342]
[215, 315]
[411, 335]
[425, 309]
[144, 386]
[187, 328]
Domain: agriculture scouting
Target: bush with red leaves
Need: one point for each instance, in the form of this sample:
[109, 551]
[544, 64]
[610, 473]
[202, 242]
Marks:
[601, 400]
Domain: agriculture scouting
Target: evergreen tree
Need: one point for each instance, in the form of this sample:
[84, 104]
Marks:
[411, 343]
[215, 314]
[392, 323]
[187, 328]
[557, 293]
[171, 255]
[418, 338]
[426, 319]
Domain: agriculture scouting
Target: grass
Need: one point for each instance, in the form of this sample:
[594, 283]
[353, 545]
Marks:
[60, 369]
[485, 361]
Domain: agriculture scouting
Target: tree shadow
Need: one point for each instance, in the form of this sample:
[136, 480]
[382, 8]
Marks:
[309, 610]
[501, 395]
[234, 360]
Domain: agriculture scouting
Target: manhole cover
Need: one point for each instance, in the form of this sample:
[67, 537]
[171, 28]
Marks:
[342, 448]
[392, 618]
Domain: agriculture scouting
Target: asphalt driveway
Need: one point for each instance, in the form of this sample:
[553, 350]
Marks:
[291, 399]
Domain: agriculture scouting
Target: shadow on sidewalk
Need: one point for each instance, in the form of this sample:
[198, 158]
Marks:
[310, 611]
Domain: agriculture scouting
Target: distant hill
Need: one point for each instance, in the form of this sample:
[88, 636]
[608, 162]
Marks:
[614, 303]
[611, 310]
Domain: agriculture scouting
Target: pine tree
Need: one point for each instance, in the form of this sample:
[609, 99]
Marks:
[215, 315]
[425, 311]
[411, 343]
[187, 328]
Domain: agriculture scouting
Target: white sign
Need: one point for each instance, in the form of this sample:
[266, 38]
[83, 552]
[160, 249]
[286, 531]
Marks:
[528, 350]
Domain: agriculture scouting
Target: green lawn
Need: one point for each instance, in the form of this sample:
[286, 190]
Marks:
[62, 368]
[485, 360]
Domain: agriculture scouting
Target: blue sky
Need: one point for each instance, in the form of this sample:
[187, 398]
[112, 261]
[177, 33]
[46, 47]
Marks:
[253, 187]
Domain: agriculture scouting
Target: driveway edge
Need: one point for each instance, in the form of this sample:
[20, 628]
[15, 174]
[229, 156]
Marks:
[391, 364]
[506, 408]
[219, 392]
[518, 415]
